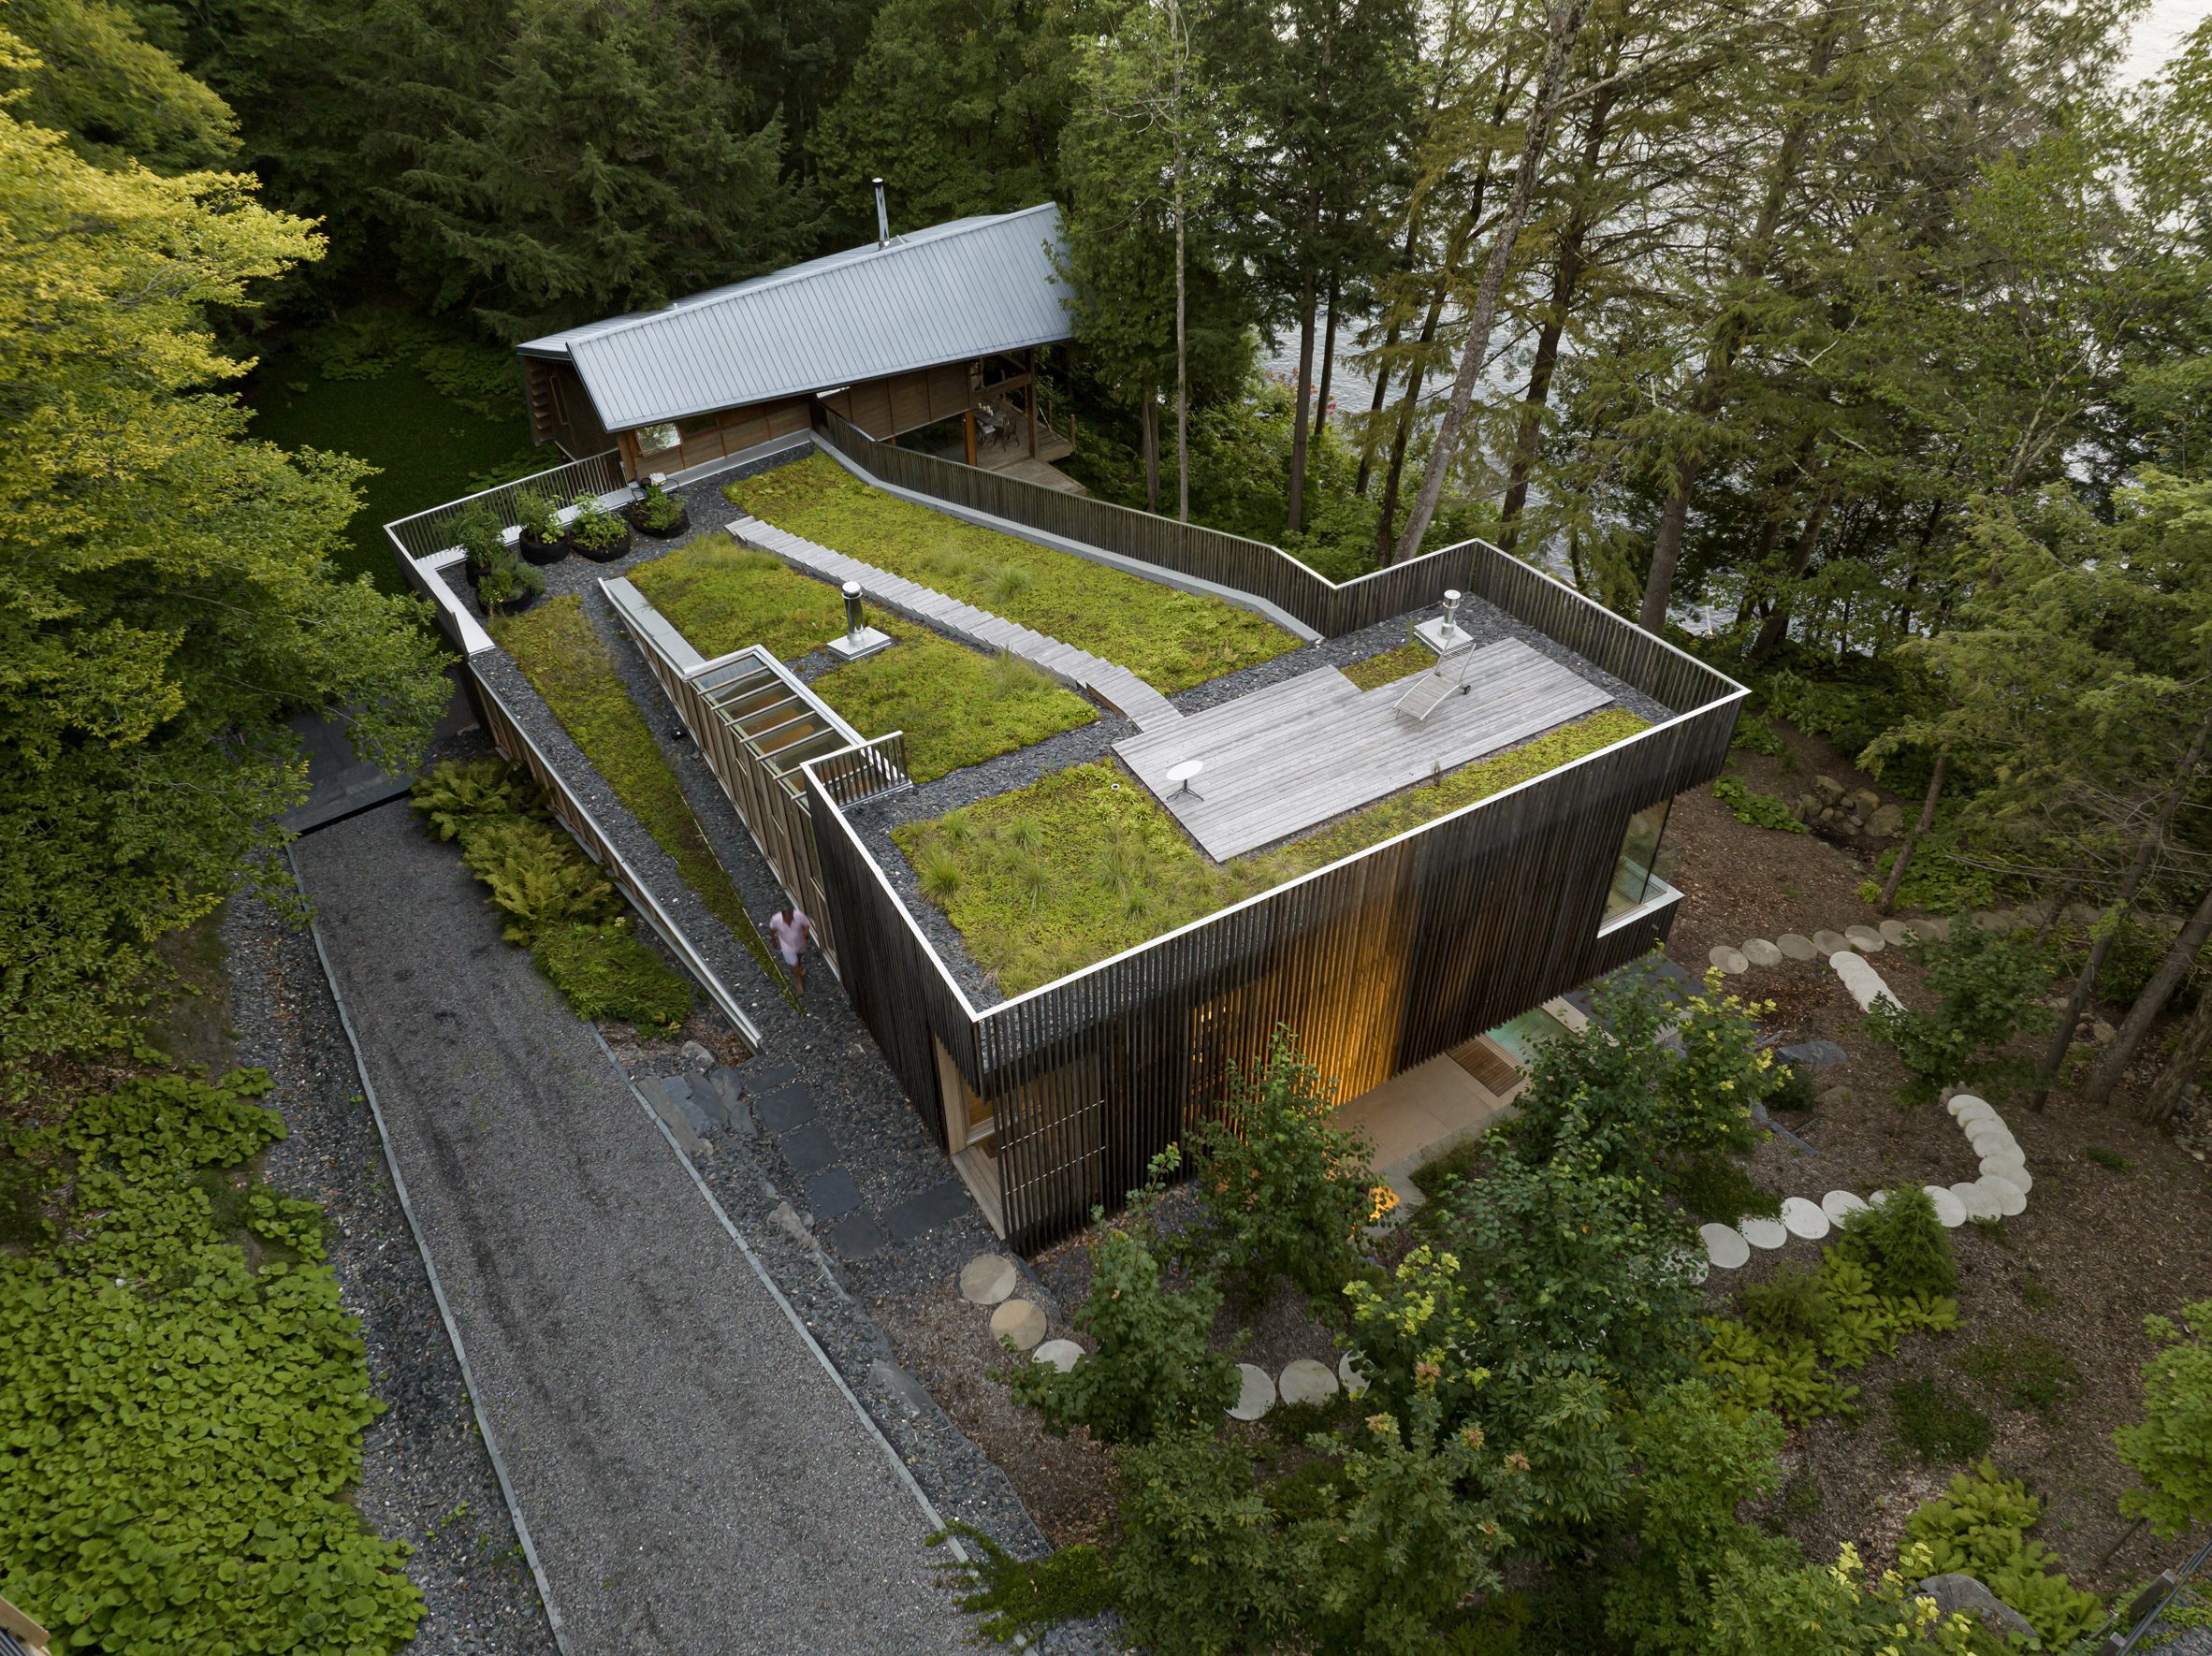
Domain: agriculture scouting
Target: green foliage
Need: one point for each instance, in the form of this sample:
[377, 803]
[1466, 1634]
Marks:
[453, 796]
[119, 97]
[1988, 989]
[2170, 1451]
[1792, 1303]
[508, 583]
[657, 511]
[1754, 735]
[2112, 1161]
[477, 532]
[1761, 810]
[603, 971]
[1714, 1187]
[1902, 1242]
[1981, 1528]
[1285, 1191]
[189, 1426]
[1936, 881]
[1391, 666]
[1936, 1424]
[593, 529]
[956, 706]
[1168, 638]
[1200, 1569]
[722, 597]
[1794, 1089]
[539, 517]
[1015, 1600]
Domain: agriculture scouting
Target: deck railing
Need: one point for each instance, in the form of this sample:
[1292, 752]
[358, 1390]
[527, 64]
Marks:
[431, 532]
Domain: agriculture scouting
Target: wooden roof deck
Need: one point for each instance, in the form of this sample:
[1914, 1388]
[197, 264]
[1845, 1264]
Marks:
[1289, 757]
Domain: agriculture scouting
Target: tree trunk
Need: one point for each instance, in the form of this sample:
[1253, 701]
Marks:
[2167, 1092]
[1409, 405]
[2178, 959]
[1778, 619]
[1322, 390]
[2132, 884]
[1911, 842]
[1182, 340]
[1294, 517]
[1151, 446]
[1563, 28]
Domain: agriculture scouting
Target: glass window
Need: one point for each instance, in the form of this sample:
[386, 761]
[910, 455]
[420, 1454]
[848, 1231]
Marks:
[655, 440]
[1646, 859]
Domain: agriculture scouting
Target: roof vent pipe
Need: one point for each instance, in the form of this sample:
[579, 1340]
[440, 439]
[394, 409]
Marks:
[883, 217]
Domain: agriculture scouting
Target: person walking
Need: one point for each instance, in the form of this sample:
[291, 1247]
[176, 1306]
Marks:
[791, 928]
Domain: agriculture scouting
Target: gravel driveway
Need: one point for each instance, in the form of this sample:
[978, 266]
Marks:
[693, 1478]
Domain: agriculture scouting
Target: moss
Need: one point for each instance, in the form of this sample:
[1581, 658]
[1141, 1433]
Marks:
[1168, 638]
[1936, 1425]
[1391, 666]
[1084, 864]
[723, 596]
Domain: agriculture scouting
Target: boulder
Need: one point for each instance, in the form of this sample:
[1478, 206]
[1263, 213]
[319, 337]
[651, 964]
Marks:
[1887, 820]
[1956, 1591]
[2103, 1033]
[1867, 800]
[1829, 790]
[1836, 1098]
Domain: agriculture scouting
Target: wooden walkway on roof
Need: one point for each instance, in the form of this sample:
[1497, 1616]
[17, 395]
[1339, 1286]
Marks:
[1289, 757]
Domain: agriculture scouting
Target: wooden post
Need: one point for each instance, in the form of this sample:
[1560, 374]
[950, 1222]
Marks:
[967, 431]
[1029, 396]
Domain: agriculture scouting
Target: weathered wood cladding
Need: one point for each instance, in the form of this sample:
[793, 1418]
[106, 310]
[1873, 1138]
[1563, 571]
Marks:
[712, 436]
[560, 409]
[883, 408]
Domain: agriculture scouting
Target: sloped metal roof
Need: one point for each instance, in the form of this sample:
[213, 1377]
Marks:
[947, 294]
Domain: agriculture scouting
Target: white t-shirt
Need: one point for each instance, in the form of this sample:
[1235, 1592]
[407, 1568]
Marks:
[790, 933]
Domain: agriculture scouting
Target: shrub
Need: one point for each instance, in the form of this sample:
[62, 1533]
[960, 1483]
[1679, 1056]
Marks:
[1794, 1089]
[508, 580]
[1760, 811]
[1791, 1304]
[2170, 1451]
[1714, 1187]
[1935, 1424]
[1753, 734]
[603, 971]
[477, 532]
[594, 527]
[657, 511]
[1902, 1242]
[1017, 1600]
[456, 795]
[1200, 1569]
[539, 517]
[1981, 1528]
[1988, 989]
[1284, 1190]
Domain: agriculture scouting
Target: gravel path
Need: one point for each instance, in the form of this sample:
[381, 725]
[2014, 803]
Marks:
[693, 1479]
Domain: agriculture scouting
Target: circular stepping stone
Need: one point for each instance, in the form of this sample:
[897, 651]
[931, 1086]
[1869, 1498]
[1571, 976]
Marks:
[1876, 1198]
[1019, 1324]
[1839, 1205]
[1950, 1211]
[2013, 1172]
[1689, 1267]
[2009, 1199]
[1730, 959]
[1062, 1354]
[1977, 1121]
[1990, 1140]
[1978, 1203]
[1897, 933]
[1958, 1103]
[1796, 946]
[1725, 1245]
[1801, 1217]
[1348, 1374]
[1760, 952]
[1864, 939]
[1305, 1381]
[1934, 927]
[1257, 1394]
[987, 1279]
[1764, 1233]
[1829, 942]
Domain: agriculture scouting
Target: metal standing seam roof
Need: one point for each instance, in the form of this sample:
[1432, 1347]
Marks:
[948, 294]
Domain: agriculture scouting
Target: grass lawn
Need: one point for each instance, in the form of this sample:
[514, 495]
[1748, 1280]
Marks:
[1402, 663]
[1170, 639]
[1084, 864]
[565, 661]
[958, 707]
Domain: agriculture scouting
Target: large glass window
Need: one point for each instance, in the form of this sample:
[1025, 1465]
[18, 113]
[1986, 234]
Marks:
[1640, 877]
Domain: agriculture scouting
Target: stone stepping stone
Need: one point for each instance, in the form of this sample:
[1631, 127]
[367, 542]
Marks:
[1804, 1218]
[1826, 942]
[1978, 1202]
[1062, 1354]
[1865, 938]
[2012, 1170]
[1967, 1106]
[1760, 952]
[2009, 1199]
[1018, 1323]
[1764, 1233]
[1255, 1395]
[1992, 1140]
[1305, 1381]
[1950, 1211]
[1895, 933]
[1859, 977]
[1975, 1120]
[1839, 1205]
[1725, 1245]
[1349, 1374]
[1797, 945]
[1934, 927]
[987, 1279]
[1730, 959]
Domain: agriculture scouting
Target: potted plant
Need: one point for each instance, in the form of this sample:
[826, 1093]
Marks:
[596, 532]
[543, 541]
[477, 532]
[659, 514]
[509, 587]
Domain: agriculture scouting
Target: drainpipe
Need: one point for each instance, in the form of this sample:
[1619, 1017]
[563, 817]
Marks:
[883, 217]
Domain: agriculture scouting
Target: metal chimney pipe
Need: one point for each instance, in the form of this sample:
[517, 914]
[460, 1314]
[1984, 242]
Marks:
[883, 217]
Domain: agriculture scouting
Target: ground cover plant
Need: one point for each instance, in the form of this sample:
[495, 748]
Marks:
[1391, 666]
[1761, 810]
[185, 1395]
[557, 904]
[1980, 1528]
[1988, 989]
[722, 597]
[1084, 863]
[567, 663]
[1170, 639]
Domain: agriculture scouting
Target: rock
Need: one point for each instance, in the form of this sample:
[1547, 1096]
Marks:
[1828, 788]
[2103, 1033]
[1802, 1052]
[1956, 1592]
[1828, 815]
[1867, 801]
[896, 1382]
[1887, 820]
[1836, 1098]
[1806, 807]
[698, 1057]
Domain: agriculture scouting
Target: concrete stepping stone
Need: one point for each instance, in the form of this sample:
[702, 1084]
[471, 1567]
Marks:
[1804, 1218]
[987, 1279]
[1688, 1265]
[1018, 1323]
[1950, 1211]
[2011, 1170]
[1839, 1205]
[1865, 938]
[1976, 1118]
[1859, 977]
[1895, 933]
[1255, 1395]
[1764, 1233]
[1725, 1245]
[1062, 1354]
[1934, 927]
[1730, 959]
[1989, 1140]
[1796, 946]
[1347, 1373]
[2009, 1199]
[1978, 1202]
[1828, 942]
[1305, 1381]
[1760, 952]
[1966, 1104]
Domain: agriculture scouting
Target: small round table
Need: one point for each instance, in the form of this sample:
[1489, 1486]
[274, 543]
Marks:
[1183, 775]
